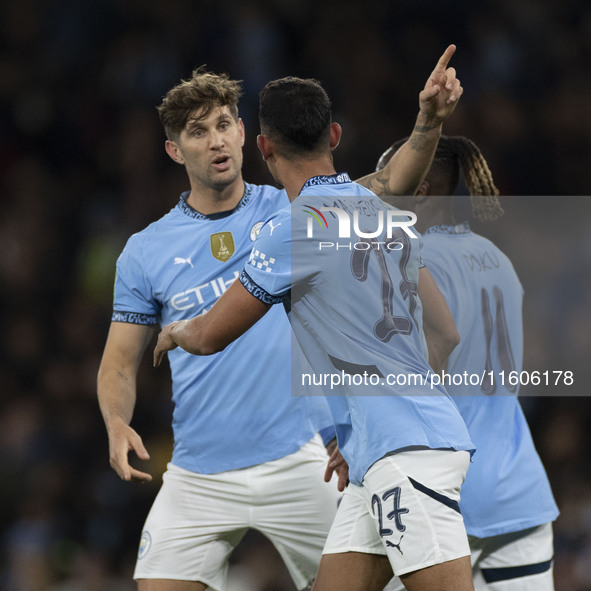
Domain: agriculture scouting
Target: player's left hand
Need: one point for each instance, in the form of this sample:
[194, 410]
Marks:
[442, 90]
[165, 343]
[336, 463]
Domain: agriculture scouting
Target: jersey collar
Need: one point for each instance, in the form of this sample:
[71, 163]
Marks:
[323, 179]
[463, 228]
[188, 210]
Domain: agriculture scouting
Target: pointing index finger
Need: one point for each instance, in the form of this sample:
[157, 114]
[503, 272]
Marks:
[444, 59]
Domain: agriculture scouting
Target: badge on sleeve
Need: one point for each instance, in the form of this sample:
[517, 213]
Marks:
[222, 245]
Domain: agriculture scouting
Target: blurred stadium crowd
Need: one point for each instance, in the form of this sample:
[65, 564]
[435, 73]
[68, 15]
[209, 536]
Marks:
[82, 166]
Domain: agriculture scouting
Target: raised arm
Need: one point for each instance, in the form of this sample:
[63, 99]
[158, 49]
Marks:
[230, 317]
[438, 324]
[116, 388]
[408, 167]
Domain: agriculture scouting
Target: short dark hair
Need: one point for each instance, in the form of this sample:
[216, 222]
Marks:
[296, 114]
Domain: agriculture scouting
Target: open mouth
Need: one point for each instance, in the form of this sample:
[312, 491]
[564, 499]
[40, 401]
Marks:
[221, 161]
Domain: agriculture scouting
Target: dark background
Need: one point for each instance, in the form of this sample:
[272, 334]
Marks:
[82, 166]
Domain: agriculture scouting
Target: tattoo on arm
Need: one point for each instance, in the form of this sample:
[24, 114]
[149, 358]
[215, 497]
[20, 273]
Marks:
[380, 183]
[424, 128]
[417, 140]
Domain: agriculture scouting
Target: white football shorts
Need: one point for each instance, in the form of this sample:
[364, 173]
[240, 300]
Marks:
[198, 519]
[406, 508]
[518, 561]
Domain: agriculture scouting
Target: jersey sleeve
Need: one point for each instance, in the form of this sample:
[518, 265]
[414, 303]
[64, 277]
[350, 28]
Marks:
[133, 301]
[267, 273]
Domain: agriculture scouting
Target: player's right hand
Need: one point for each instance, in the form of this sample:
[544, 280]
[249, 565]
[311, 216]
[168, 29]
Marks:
[442, 90]
[122, 440]
[336, 463]
[166, 341]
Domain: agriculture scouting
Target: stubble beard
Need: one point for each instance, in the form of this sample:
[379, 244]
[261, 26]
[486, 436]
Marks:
[221, 181]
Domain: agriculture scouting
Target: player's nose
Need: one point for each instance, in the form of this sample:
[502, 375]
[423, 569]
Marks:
[216, 139]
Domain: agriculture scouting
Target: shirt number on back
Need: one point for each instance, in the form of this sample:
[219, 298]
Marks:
[496, 327]
[389, 324]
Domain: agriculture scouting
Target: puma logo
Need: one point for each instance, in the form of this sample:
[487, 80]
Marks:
[273, 227]
[181, 260]
[397, 546]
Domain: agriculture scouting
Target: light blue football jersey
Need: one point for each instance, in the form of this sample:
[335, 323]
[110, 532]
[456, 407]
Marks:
[355, 312]
[506, 487]
[232, 409]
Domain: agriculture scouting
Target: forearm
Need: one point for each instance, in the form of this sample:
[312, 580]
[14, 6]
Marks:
[439, 327]
[229, 318]
[440, 347]
[416, 154]
[116, 396]
[192, 336]
[116, 380]
[408, 167]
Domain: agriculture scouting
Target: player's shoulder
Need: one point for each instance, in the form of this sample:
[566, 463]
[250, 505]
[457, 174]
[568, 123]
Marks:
[160, 225]
[278, 225]
[156, 236]
[265, 196]
[487, 244]
[364, 191]
[442, 243]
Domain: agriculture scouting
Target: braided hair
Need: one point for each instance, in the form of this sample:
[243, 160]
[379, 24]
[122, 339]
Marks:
[455, 153]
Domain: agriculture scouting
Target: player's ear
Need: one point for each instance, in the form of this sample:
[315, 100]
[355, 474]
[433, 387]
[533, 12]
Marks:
[422, 192]
[335, 135]
[265, 147]
[241, 129]
[173, 150]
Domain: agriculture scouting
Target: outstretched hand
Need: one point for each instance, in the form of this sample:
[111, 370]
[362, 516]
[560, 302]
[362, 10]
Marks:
[442, 90]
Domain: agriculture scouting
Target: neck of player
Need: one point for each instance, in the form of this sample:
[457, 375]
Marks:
[295, 173]
[208, 200]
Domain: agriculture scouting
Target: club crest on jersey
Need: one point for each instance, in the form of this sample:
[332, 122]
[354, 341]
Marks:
[222, 245]
[254, 231]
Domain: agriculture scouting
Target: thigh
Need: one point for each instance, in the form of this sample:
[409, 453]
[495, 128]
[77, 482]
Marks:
[193, 526]
[353, 571]
[519, 561]
[295, 508]
[353, 528]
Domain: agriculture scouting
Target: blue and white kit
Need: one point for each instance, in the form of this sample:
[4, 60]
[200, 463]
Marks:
[355, 310]
[240, 438]
[232, 409]
[506, 489]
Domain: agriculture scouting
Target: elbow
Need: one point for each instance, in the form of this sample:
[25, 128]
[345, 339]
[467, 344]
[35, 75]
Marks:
[209, 348]
[441, 348]
[450, 342]
[454, 339]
